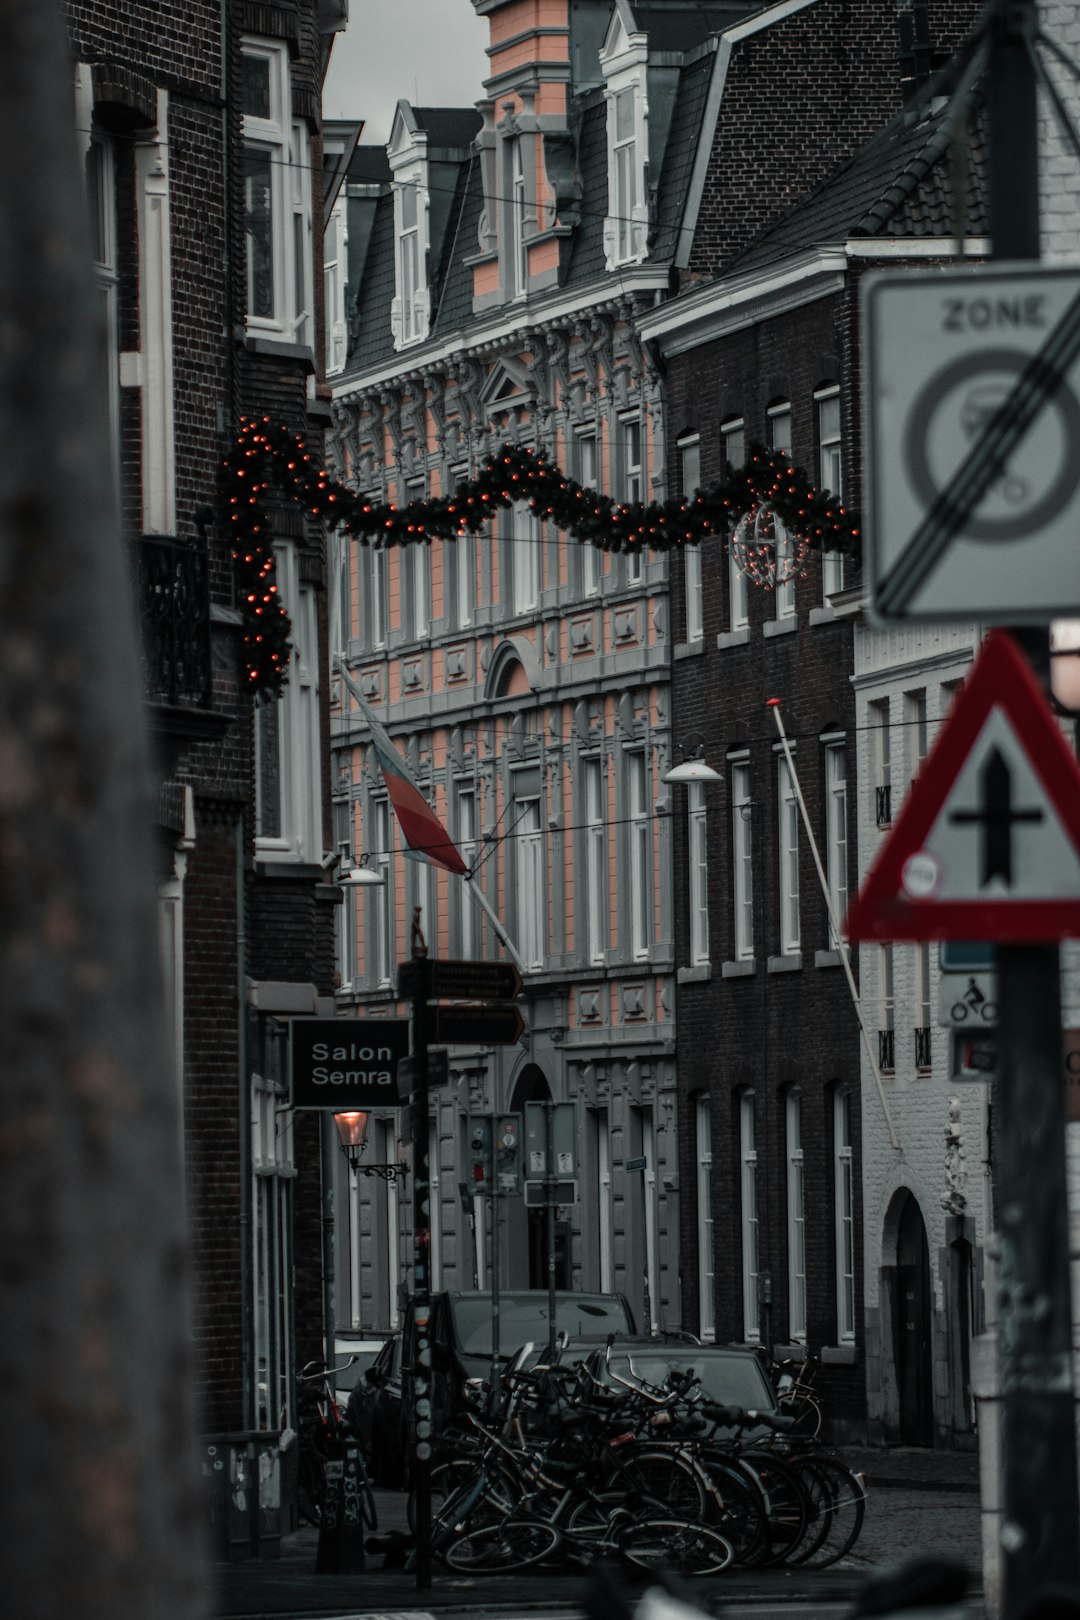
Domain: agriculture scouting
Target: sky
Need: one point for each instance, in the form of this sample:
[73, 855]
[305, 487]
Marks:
[429, 52]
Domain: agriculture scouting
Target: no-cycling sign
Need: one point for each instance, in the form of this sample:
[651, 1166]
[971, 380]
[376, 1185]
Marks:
[971, 444]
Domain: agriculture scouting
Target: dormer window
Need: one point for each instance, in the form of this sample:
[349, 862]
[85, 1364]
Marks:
[277, 198]
[624, 60]
[519, 253]
[410, 312]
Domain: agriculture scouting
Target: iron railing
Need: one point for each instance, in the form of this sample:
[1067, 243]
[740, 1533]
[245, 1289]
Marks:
[922, 1047]
[173, 597]
[883, 804]
[886, 1046]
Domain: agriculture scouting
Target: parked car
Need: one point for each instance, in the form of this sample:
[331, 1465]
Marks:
[730, 1375]
[460, 1330]
[354, 1353]
[376, 1414]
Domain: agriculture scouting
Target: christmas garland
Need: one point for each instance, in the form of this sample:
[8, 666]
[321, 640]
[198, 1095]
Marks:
[267, 455]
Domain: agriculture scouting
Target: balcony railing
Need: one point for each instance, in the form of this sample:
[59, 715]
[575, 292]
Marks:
[922, 1047]
[886, 1047]
[883, 804]
[173, 598]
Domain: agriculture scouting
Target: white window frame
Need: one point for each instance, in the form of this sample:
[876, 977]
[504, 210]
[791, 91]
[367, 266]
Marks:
[435, 1199]
[273, 1172]
[878, 720]
[587, 459]
[595, 818]
[830, 476]
[623, 62]
[283, 140]
[690, 460]
[916, 730]
[652, 1255]
[844, 1211]
[335, 276]
[796, 1217]
[518, 216]
[379, 596]
[530, 892]
[779, 417]
[380, 931]
[523, 549]
[298, 811]
[733, 454]
[742, 862]
[748, 1217]
[639, 833]
[101, 198]
[887, 999]
[419, 563]
[787, 822]
[468, 920]
[706, 1261]
[464, 567]
[836, 834]
[605, 1228]
[630, 456]
[345, 913]
[697, 854]
[923, 994]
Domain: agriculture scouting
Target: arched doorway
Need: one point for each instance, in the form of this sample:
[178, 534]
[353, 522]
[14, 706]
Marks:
[532, 1085]
[911, 1328]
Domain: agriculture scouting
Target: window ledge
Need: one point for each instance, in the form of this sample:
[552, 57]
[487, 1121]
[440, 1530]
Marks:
[700, 973]
[780, 627]
[846, 604]
[267, 865]
[690, 649]
[785, 964]
[280, 349]
[220, 614]
[839, 1355]
[734, 638]
[738, 970]
[827, 959]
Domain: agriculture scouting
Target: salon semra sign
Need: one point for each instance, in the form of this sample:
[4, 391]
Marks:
[344, 1063]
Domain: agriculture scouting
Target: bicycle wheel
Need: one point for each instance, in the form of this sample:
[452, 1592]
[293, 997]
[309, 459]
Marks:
[839, 1499]
[739, 1510]
[785, 1501]
[663, 1479]
[806, 1412]
[310, 1485]
[495, 1549]
[368, 1511]
[652, 1542]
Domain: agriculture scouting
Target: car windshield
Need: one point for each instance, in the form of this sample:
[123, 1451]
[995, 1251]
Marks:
[525, 1318]
[728, 1380]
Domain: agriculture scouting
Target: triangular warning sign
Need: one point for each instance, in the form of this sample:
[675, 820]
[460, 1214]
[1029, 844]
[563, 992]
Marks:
[987, 845]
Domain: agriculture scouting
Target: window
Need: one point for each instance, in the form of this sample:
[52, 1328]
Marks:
[915, 730]
[468, 921]
[788, 832]
[880, 762]
[287, 758]
[836, 854]
[780, 439]
[409, 261]
[639, 831]
[273, 1173]
[345, 913]
[101, 198]
[380, 898]
[697, 849]
[519, 252]
[923, 1024]
[796, 1218]
[277, 198]
[647, 1138]
[844, 1201]
[624, 154]
[733, 451]
[600, 1131]
[690, 457]
[421, 892]
[462, 577]
[522, 551]
[886, 1026]
[706, 1279]
[435, 1205]
[335, 273]
[830, 476]
[749, 1204]
[585, 450]
[630, 482]
[529, 873]
[595, 861]
[416, 561]
[742, 862]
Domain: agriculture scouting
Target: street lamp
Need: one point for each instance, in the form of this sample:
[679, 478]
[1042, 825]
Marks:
[362, 876]
[692, 767]
[352, 1129]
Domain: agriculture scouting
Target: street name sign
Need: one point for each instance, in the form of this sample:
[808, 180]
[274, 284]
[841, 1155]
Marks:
[971, 444]
[346, 1063]
[476, 1024]
[636, 1164]
[459, 980]
[987, 845]
[438, 1073]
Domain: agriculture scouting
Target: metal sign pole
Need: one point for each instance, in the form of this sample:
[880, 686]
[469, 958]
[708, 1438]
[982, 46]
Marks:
[1039, 1536]
[549, 1118]
[495, 1324]
[421, 1142]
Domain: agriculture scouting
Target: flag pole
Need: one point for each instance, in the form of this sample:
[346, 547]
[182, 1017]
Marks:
[774, 705]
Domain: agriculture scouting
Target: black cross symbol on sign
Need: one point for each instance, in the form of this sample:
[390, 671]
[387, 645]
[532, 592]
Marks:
[997, 819]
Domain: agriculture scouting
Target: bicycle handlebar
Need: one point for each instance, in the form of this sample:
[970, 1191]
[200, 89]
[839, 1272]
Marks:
[323, 1372]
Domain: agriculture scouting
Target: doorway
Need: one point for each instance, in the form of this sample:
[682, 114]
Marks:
[912, 1329]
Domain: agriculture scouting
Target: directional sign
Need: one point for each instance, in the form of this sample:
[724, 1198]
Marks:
[438, 1073]
[971, 443]
[460, 980]
[477, 1024]
[343, 1063]
[987, 845]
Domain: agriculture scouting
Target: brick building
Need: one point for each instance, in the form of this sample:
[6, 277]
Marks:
[200, 125]
[774, 1107]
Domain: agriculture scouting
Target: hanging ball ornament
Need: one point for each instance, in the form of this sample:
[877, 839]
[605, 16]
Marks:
[764, 548]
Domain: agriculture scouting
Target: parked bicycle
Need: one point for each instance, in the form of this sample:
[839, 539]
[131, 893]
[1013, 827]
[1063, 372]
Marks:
[321, 1439]
[796, 1394]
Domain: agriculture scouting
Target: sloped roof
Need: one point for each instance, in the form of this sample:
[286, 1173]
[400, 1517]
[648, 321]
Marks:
[448, 126]
[900, 184]
[682, 28]
[679, 154]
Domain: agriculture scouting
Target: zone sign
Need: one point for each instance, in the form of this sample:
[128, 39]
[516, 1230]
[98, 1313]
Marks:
[971, 440]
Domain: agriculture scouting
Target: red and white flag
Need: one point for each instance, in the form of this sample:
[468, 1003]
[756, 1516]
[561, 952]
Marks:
[423, 832]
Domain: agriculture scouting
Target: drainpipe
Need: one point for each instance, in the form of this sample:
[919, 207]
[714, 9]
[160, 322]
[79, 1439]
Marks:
[247, 1312]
